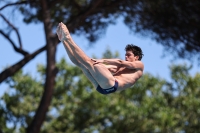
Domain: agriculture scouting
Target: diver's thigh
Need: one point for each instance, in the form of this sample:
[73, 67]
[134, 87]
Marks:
[103, 76]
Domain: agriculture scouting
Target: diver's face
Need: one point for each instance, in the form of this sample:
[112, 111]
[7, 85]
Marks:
[129, 56]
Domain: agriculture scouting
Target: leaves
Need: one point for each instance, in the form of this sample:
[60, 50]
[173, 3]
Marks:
[149, 106]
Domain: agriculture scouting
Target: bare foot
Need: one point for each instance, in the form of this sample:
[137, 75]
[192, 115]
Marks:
[63, 32]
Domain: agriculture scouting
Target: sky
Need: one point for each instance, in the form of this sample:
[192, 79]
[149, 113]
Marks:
[116, 38]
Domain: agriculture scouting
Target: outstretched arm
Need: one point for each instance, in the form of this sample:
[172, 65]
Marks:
[112, 68]
[121, 63]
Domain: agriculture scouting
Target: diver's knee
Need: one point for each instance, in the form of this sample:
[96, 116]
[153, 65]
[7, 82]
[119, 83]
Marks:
[89, 63]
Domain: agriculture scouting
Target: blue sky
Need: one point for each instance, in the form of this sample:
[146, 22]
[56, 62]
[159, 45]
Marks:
[116, 38]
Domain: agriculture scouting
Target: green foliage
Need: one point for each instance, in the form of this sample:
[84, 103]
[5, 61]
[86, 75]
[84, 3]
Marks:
[20, 103]
[81, 16]
[108, 54]
[151, 105]
[174, 24]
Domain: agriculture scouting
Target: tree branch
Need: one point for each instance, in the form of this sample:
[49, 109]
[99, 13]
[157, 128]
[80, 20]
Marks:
[53, 3]
[14, 68]
[13, 4]
[13, 44]
[95, 6]
[73, 22]
[15, 29]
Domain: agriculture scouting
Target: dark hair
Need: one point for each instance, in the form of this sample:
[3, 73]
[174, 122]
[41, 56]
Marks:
[137, 51]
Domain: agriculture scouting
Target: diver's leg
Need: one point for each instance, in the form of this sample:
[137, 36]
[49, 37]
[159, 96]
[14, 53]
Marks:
[99, 72]
[83, 68]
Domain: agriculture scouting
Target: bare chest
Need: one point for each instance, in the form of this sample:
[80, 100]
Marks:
[126, 71]
[126, 77]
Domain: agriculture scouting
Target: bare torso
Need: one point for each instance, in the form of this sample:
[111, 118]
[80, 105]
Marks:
[125, 77]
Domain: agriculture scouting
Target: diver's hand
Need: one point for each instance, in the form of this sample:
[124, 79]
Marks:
[97, 61]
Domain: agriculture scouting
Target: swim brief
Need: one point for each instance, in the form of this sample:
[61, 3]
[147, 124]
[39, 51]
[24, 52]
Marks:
[108, 91]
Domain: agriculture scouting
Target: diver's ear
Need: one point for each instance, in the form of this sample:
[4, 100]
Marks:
[137, 57]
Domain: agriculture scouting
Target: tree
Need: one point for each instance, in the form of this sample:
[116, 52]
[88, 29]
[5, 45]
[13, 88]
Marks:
[94, 16]
[47, 13]
[151, 105]
[172, 23]
[176, 28]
